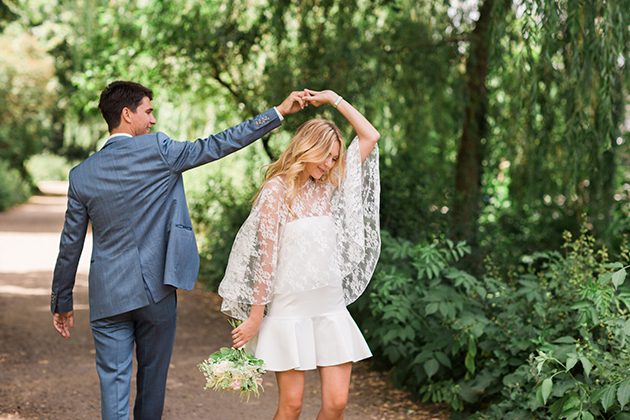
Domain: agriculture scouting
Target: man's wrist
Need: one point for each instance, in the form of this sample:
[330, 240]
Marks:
[279, 114]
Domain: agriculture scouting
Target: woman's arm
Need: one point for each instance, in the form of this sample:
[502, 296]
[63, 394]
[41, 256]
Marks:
[270, 204]
[368, 135]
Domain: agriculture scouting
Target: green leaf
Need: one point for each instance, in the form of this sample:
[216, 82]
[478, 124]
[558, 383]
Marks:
[587, 416]
[619, 277]
[431, 308]
[623, 393]
[570, 414]
[478, 328]
[444, 309]
[572, 360]
[425, 355]
[470, 362]
[586, 364]
[391, 335]
[583, 304]
[616, 265]
[546, 389]
[431, 367]
[556, 408]
[409, 332]
[443, 359]
[472, 346]
[566, 339]
[626, 327]
[608, 399]
[604, 278]
[597, 395]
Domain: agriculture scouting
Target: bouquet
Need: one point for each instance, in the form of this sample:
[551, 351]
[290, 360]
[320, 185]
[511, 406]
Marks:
[235, 370]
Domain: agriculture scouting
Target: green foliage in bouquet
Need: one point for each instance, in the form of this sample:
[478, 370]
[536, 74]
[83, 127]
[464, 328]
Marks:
[234, 370]
[549, 341]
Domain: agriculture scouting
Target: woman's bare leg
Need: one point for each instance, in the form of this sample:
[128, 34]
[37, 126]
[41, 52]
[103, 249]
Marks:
[335, 387]
[290, 394]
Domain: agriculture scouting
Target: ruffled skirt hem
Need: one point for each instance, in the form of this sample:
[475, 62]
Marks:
[306, 343]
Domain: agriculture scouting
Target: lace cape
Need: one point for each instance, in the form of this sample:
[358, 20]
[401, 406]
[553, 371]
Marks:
[251, 277]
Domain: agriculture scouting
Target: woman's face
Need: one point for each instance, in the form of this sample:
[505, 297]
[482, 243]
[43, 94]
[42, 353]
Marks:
[318, 169]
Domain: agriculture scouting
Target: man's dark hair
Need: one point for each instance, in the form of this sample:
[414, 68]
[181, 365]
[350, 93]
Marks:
[120, 95]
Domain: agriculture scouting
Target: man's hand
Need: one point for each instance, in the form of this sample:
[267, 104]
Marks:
[61, 322]
[316, 98]
[293, 103]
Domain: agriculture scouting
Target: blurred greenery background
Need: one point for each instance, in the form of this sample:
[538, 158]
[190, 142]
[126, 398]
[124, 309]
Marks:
[504, 125]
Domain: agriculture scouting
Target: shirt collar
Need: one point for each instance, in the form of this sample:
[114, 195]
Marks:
[119, 134]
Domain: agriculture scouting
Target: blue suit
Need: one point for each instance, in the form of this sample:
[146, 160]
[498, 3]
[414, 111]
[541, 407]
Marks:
[143, 243]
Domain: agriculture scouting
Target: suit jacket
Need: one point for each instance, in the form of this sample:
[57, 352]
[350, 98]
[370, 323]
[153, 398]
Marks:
[133, 194]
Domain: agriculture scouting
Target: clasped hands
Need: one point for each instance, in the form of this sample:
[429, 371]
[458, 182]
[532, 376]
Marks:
[300, 99]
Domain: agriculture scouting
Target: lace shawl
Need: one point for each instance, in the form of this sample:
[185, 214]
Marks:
[252, 271]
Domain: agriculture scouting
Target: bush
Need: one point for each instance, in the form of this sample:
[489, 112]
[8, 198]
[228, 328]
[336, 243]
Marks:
[550, 340]
[27, 99]
[13, 189]
[48, 167]
[218, 214]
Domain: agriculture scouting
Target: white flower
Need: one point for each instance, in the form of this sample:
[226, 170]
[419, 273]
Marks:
[221, 368]
[233, 369]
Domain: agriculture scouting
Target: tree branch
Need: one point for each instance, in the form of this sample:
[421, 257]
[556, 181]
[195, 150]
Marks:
[248, 106]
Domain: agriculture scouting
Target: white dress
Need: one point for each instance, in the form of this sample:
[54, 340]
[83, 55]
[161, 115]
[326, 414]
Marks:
[306, 266]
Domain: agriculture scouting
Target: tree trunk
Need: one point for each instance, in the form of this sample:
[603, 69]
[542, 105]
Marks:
[468, 169]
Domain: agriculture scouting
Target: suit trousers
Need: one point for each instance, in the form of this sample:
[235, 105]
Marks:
[152, 330]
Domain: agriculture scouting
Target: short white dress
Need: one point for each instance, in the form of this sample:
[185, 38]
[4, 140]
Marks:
[306, 266]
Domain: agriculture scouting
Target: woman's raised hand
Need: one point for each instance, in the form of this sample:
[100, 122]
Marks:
[320, 98]
[368, 136]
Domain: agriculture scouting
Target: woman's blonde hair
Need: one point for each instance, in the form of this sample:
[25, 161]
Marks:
[312, 142]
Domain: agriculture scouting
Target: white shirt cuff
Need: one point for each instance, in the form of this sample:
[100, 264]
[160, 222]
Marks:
[279, 114]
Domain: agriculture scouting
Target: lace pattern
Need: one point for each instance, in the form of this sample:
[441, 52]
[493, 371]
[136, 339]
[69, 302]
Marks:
[333, 235]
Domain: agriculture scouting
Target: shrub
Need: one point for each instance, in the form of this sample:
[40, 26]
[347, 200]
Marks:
[13, 189]
[218, 214]
[48, 167]
[549, 340]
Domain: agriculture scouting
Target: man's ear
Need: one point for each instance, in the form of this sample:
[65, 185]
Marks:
[126, 115]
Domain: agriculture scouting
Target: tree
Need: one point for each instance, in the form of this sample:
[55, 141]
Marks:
[488, 110]
[470, 154]
[562, 93]
[25, 99]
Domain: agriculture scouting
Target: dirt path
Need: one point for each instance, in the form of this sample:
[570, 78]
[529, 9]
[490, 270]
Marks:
[43, 376]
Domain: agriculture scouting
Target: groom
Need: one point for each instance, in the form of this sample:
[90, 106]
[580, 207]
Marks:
[144, 247]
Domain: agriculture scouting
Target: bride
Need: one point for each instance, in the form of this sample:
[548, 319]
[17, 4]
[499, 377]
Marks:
[308, 249]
